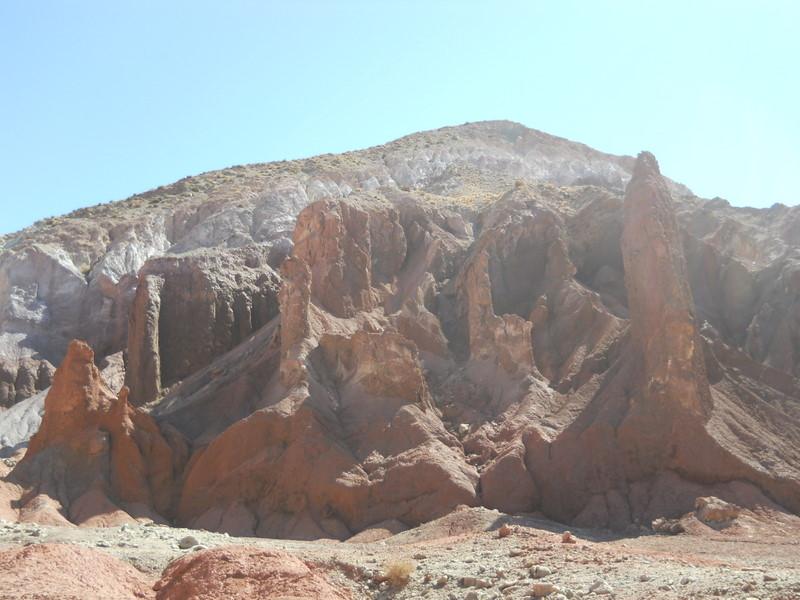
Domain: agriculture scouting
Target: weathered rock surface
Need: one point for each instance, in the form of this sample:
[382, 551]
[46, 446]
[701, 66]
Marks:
[663, 327]
[715, 511]
[95, 459]
[346, 435]
[241, 572]
[68, 572]
[655, 414]
[191, 309]
[74, 277]
[20, 423]
[445, 327]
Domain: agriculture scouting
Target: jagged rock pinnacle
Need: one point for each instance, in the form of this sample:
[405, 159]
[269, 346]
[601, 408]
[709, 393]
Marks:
[659, 297]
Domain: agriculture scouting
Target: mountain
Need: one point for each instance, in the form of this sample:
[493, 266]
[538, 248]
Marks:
[481, 315]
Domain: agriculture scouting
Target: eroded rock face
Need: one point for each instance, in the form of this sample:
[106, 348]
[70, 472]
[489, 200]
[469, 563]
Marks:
[505, 338]
[333, 238]
[655, 413]
[348, 436]
[447, 334]
[95, 459]
[567, 410]
[663, 326]
[191, 309]
[23, 379]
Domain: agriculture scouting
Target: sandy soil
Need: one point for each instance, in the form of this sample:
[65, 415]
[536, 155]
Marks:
[462, 556]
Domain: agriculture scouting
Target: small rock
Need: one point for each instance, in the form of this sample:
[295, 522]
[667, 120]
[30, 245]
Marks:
[539, 571]
[686, 580]
[102, 544]
[469, 581]
[442, 581]
[512, 589]
[419, 556]
[567, 538]
[199, 547]
[768, 577]
[504, 531]
[187, 542]
[712, 510]
[601, 587]
[472, 596]
[540, 590]
[668, 526]
[463, 429]
[643, 577]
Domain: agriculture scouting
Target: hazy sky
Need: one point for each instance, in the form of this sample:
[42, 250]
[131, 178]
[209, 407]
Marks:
[102, 99]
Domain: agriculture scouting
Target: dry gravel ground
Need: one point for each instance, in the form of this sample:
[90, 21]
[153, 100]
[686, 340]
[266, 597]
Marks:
[463, 556]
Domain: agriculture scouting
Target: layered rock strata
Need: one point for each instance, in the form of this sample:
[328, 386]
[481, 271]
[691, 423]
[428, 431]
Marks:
[605, 360]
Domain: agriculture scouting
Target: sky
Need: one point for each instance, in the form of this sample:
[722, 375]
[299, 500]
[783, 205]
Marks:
[100, 100]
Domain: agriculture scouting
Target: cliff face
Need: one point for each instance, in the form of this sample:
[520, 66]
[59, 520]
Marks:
[476, 315]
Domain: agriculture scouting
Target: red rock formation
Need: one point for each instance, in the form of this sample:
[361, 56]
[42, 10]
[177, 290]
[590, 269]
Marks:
[295, 297]
[460, 346]
[94, 453]
[333, 238]
[241, 573]
[659, 299]
[394, 332]
[506, 338]
[144, 356]
[347, 436]
[654, 417]
[58, 571]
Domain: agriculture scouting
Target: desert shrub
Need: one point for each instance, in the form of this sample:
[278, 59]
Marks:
[398, 572]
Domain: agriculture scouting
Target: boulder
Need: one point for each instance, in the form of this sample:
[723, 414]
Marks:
[58, 571]
[242, 572]
[714, 511]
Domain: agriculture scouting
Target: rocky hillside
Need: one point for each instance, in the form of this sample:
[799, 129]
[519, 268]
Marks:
[76, 276]
[479, 315]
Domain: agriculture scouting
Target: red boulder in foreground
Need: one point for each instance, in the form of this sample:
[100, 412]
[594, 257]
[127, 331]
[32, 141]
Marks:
[243, 572]
[68, 572]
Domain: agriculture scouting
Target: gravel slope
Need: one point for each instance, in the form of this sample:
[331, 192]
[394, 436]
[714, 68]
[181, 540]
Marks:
[463, 556]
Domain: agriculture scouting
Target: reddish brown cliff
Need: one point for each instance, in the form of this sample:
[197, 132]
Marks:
[95, 457]
[603, 360]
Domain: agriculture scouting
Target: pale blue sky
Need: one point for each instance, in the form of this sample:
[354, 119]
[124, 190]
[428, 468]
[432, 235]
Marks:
[99, 99]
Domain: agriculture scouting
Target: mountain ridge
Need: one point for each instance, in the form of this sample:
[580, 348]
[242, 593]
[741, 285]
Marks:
[405, 139]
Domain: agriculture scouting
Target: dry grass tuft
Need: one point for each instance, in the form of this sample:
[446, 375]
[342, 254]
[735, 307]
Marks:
[398, 572]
